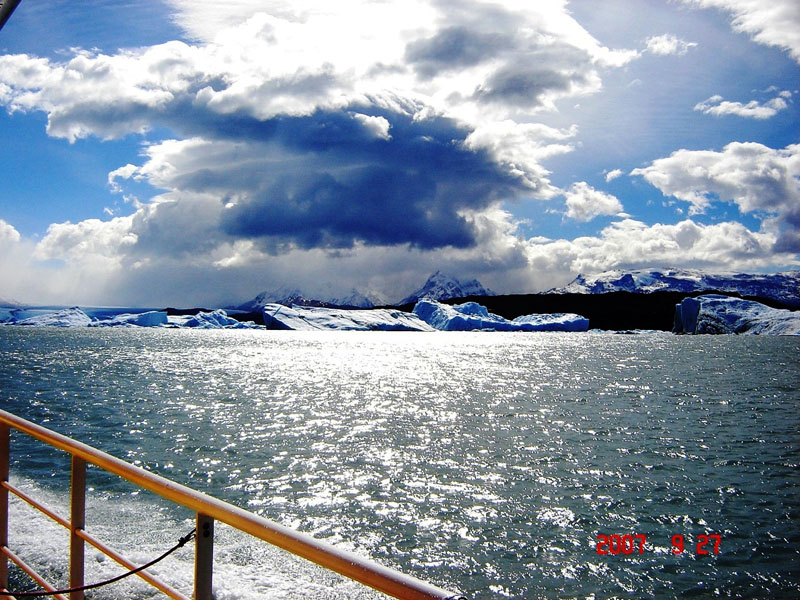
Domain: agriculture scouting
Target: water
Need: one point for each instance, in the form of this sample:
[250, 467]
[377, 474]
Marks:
[482, 462]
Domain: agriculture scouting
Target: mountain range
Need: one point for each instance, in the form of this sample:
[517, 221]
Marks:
[444, 287]
[438, 287]
[782, 287]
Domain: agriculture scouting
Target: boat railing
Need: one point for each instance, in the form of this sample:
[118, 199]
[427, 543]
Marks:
[207, 511]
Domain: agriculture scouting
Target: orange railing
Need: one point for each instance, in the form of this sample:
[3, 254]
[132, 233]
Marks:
[207, 509]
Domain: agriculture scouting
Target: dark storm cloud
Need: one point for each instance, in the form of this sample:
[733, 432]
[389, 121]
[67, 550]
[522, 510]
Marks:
[454, 48]
[409, 189]
[524, 82]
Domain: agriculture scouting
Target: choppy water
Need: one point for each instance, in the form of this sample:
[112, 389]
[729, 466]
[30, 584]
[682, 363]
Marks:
[482, 462]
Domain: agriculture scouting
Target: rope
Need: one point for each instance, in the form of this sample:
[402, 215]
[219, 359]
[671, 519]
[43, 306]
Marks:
[181, 542]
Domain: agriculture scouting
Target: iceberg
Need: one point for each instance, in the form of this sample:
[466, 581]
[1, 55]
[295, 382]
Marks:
[554, 322]
[68, 317]
[306, 318]
[715, 313]
[153, 318]
[75, 317]
[472, 316]
[217, 319]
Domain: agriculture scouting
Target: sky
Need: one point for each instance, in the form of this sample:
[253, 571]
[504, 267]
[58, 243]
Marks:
[187, 153]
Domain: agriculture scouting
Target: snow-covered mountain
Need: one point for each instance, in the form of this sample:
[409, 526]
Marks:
[442, 287]
[288, 296]
[784, 287]
[438, 287]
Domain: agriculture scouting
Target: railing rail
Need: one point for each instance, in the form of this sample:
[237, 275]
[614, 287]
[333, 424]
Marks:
[207, 509]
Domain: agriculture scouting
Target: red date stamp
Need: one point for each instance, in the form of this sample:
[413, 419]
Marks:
[636, 544]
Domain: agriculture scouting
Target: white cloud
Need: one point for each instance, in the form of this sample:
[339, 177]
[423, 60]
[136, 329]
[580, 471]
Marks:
[718, 106]
[90, 241]
[584, 203]
[773, 23]
[125, 172]
[613, 174]
[304, 121]
[287, 58]
[377, 126]
[756, 178]
[521, 147]
[633, 244]
[668, 44]
[8, 234]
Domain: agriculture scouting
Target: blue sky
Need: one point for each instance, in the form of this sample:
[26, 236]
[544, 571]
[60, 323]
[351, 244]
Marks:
[172, 153]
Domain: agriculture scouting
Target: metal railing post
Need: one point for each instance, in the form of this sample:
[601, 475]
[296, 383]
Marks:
[203, 557]
[4, 462]
[77, 522]
[208, 510]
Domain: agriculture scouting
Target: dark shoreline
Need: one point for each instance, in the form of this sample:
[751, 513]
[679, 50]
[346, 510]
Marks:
[614, 311]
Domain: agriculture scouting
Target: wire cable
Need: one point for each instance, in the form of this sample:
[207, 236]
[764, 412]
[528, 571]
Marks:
[181, 542]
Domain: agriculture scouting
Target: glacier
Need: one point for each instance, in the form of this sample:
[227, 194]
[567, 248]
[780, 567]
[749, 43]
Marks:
[306, 318]
[472, 316]
[715, 313]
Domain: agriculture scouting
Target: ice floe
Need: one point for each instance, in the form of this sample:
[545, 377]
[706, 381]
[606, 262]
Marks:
[714, 313]
[75, 317]
[306, 318]
[216, 319]
[472, 316]
[152, 318]
[67, 317]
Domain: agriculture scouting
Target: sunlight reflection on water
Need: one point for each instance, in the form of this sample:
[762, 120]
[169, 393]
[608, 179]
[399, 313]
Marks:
[484, 462]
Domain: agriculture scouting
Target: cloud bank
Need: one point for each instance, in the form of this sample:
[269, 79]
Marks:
[293, 157]
[584, 203]
[755, 178]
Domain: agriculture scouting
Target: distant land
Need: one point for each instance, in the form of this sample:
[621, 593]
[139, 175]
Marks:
[640, 299]
[614, 300]
[438, 287]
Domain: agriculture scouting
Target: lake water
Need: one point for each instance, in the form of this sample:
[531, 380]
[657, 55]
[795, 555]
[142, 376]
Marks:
[486, 463]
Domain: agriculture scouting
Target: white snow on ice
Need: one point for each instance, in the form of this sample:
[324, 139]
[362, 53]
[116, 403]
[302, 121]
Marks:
[715, 313]
[473, 316]
[68, 317]
[306, 318]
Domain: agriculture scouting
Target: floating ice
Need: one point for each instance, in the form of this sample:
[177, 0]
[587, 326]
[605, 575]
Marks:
[305, 318]
[68, 317]
[217, 319]
[75, 317]
[153, 318]
[714, 313]
[472, 316]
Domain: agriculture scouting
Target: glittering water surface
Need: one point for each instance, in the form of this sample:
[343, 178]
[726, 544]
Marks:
[482, 462]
